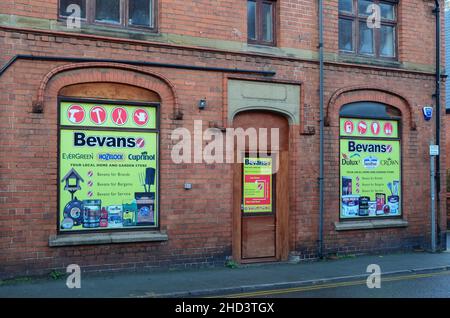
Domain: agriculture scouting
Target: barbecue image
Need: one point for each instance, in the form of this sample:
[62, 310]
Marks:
[146, 200]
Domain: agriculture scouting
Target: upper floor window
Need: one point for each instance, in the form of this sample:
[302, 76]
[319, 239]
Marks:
[124, 13]
[261, 21]
[368, 27]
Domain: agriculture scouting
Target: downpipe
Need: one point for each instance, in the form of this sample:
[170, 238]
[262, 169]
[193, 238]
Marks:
[321, 122]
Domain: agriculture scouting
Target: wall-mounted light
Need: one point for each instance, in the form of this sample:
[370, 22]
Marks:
[202, 104]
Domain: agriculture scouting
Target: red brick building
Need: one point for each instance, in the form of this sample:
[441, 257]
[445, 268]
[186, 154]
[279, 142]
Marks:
[229, 64]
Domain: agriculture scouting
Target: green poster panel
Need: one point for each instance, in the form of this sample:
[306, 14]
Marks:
[257, 185]
[370, 178]
[108, 180]
[99, 115]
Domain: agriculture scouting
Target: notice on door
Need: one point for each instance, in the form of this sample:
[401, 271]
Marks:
[257, 186]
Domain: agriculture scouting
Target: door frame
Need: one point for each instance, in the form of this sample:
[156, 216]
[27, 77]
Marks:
[281, 208]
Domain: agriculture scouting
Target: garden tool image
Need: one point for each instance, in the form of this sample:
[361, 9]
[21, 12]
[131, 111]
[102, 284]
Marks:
[72, 113]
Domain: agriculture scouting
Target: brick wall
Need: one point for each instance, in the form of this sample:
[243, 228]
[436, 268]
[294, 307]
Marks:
[199, 227]
[226, 20]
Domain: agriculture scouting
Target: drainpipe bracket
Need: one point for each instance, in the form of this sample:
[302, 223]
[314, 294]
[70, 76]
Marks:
[37, 107]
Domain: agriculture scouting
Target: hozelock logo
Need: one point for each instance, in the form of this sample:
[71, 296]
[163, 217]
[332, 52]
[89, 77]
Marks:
[371, 148]
[110, 156]
[81, 140]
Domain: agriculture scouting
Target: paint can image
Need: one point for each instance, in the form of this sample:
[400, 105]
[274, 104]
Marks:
[346, 186]
[394, 204]
[350, 205]
[381, 201]
[104, 218]
[372, 208]
[91, 213]
[145, 208]
[364, 206]
[114, 216]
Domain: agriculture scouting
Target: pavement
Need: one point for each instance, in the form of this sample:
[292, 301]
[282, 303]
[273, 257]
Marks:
[227, 281]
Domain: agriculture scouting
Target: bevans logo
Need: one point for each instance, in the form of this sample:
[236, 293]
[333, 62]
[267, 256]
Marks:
[370, 148]
[81, 140]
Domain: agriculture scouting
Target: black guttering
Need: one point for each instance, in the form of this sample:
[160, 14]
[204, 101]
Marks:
[5, 67]
[437, 96]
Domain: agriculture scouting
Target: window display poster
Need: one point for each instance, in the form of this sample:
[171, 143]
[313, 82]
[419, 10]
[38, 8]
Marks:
[257, 187]
[370, 173]
[108, 179]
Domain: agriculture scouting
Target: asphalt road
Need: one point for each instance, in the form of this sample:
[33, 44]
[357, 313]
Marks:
[432, 285]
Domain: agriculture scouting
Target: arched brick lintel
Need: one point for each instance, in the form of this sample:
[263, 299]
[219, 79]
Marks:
[370, 94]
[62, 76]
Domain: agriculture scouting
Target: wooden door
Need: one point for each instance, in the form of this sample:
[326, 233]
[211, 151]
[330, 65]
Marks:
[261, 235]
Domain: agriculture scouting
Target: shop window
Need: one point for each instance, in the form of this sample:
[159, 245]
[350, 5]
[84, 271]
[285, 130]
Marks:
[124, 13]
[261, 21]
[368, 27]
[108, 166]
[370, 161]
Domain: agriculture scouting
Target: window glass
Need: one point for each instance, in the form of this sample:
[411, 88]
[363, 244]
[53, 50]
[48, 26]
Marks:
[267, 22]
[363, 7]
[64, 5]
[376, 110]
[346, 35]
[346, 5]
[365, 39]
[251, 19]
[387, 41]
[140, 12]
[107, 11]
[387, 11]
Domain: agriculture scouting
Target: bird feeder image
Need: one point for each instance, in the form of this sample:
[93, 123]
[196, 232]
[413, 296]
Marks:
[72, 180]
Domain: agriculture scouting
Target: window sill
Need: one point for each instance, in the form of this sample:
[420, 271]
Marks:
[370, 224]
[106, 238]
[361, 59]
[263, 48]
[137, 33]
